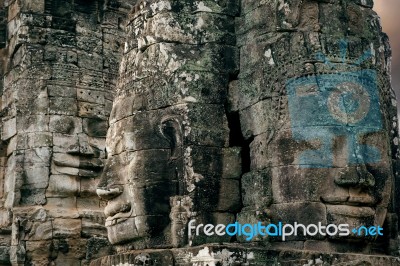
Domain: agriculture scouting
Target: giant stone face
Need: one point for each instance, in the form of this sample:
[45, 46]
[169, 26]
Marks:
[142, 176]
[331, 156]
[315, 134]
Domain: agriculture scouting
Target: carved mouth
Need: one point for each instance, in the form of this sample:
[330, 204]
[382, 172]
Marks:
[357, 206]
[361, 201]
[117, 213]
[74, 165]
[117, 219]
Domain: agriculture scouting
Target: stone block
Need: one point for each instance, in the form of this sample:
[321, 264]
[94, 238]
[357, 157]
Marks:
[229, 198]
[277, 149]
[62, 260]
[207, 125]
[65, 143]
[65, 124]
[206, 161]
[97, 247]
[64, 170]
[70, 250]
[288, 19]
[93, 228]
[30, 196]
[251, 217]
[32, 123]
[33, 106]
[354, 216]
[38, 156]
[61, 186]
[63, 71]
[201, 87]
[38, 231]
[95, 127]
[299, 212]
[169, 27]
[35, 6]
[330, 20]
[14, 9]
[232, 163]
[39, 139]
[256, 189]
[88, 187]
[63, 106]
[91, 110]
[137, 138]
[15, 143]
[216, 218]
[9, 129]
[90, 95]
[91, 61]
[61, 90]
[67, 228]
[5, 221]
[256, 119]
[36, 176]
[89, 206]
[72, 57]
[4, 254]
[38, 251]
[248, 88]
[66, 160]
[90, 80]
[62, 208]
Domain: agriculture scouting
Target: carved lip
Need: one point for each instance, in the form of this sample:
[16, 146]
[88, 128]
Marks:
[351, 210]
[86, 167]
[117, 212]
[361, 200]
[357, 206]
[87, 164]
[116, 219]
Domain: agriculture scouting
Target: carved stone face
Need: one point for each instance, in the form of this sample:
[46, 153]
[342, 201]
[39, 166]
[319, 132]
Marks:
[329, 158]
[79, 147]
[80, 156]
[141, 174]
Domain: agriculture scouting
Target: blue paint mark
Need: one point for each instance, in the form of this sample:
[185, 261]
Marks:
[327, 106]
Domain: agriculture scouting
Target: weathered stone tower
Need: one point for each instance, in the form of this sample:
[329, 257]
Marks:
[59, 65]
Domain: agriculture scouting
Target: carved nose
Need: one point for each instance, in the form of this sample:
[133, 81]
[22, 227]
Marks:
[73, 149]
[85, 148]
[106, 189]
[354, 176]
[81, 148]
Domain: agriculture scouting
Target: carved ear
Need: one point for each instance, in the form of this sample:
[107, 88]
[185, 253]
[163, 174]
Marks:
[172, 131]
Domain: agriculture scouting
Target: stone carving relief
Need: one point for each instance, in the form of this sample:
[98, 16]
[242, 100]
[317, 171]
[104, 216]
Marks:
[168, 136]
[60, 66]
[309, 108]
[134, 119]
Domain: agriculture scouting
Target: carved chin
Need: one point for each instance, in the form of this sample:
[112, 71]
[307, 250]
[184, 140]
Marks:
[123, 232]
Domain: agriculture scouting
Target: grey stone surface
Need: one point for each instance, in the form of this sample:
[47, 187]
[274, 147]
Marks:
[124, 122]
[59, 65]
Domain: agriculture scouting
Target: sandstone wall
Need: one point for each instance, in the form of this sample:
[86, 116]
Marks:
[60, 65]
